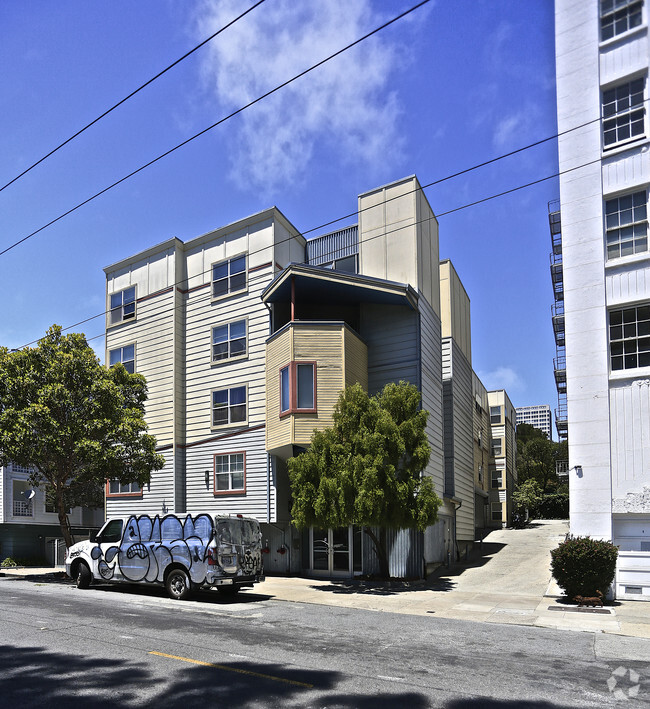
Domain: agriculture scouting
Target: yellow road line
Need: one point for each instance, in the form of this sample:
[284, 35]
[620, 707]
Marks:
[232, 669]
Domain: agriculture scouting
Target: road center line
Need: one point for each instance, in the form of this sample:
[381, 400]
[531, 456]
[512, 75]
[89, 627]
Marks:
[232, 669]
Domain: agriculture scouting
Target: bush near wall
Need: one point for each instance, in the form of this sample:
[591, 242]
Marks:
[553, 505]
[582, 566]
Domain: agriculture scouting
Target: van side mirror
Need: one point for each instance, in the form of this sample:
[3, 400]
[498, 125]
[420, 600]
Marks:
[94, 537]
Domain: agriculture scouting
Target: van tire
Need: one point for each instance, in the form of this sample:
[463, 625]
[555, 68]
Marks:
[83, 577]
[178, 585]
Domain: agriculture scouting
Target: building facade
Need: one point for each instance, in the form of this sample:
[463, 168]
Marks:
[602, 59]
[29, 526]
[537, 416]
[246, 336]
[503, 457]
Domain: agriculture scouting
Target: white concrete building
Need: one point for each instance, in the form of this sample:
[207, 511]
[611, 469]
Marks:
[602, 59]
[538, 416]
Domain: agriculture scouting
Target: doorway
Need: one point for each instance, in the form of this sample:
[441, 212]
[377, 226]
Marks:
[331, 551]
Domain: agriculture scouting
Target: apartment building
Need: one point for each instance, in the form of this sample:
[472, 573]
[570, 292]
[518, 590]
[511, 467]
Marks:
[602, 59]
[503, 457]
[247, 335]
[538, 416]
[482, 442]
[29, 526]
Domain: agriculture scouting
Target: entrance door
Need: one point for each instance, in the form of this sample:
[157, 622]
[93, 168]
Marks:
[330, 551]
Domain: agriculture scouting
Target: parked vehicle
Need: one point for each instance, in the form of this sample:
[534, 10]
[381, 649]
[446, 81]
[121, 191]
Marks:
[182, 552]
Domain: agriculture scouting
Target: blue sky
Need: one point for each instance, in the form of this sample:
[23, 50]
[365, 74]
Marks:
[454, 84]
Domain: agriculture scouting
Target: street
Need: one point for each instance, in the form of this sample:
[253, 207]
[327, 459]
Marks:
[127, 646]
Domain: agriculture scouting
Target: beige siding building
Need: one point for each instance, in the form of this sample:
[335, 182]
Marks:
[503, 457]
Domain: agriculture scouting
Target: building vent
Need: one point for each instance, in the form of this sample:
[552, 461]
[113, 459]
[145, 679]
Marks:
[645, 546]
[637, 590]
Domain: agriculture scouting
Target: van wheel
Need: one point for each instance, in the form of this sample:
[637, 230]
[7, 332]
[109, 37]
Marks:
[178, 584]
[228, 591]
[84, 577]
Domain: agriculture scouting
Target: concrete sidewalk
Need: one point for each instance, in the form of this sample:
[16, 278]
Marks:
[509, 583]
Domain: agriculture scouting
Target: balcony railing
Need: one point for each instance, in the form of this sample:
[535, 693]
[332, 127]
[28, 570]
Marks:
[23, 508]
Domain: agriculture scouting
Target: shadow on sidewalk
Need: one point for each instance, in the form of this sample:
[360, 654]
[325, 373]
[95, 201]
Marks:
[442, 578]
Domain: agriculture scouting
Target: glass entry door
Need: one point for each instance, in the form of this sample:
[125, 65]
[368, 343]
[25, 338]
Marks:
[331, 551]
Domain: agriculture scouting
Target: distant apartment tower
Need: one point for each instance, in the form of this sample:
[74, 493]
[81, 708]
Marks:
[537, 416]
[602, 59]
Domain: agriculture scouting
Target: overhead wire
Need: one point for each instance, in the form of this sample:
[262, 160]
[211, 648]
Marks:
[132, 94]
[217, 123]
[265, 277]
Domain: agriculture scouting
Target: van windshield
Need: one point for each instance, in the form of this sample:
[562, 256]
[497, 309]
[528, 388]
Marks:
[237, 531]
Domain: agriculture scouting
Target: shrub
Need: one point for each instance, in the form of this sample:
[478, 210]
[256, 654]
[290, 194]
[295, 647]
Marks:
[582, 566]
[8, 562]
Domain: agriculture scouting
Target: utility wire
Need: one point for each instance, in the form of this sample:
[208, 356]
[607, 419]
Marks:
[264, 277]
[132, 94]
[219, 122]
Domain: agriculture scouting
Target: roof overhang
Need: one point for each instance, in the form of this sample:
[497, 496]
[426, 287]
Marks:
[313, 284]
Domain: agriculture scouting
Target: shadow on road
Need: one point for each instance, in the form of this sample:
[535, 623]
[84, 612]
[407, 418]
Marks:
[36, 677]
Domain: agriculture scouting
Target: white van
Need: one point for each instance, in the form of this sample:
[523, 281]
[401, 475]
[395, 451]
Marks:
[184, 552]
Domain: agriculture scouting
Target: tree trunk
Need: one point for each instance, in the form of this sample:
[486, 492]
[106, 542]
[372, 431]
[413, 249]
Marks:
[380, 550]
[64, 522]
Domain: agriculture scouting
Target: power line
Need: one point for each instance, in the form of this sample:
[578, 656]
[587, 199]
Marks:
[252, 280]
[132, 94]
[219, 122]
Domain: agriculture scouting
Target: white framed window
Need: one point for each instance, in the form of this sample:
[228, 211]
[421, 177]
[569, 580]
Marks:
[618, 16]
[229, 276]
[22, 504]
[298, 388]
[229, 340]
[629, 337]
[230, 473]
[125, 355]
[115, 488]
[497, 447]
[626, 224]
[20, 468]
[229, 406]
[496, 477]
[122, 306]
[495, 414]
[623, 113]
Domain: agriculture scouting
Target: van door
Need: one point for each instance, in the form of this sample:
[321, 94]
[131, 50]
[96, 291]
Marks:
[104, 555]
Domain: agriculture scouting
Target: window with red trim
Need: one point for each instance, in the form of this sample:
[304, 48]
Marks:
[298, 388]
[114, 488]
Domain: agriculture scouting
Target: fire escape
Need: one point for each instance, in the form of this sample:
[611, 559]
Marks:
[557, 316]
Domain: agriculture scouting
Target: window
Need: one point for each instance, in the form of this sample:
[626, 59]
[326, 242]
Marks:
[125, 355]
[229, 340]
[626, 223]
[623, 112]
[495, 414]
[298, 388]
[19, 468]
[22, 506]
[618, 16]
[112, 532]
[115, 487]
[496, 477]
[228, 406]
[629, 337]
[496, 446]
[497, 514]
[229, 473]
[123, 305]
[229, 276]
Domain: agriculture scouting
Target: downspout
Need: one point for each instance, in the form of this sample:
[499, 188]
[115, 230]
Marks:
[268, 488]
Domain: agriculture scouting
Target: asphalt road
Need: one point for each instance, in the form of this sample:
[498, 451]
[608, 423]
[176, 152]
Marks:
[126, 647]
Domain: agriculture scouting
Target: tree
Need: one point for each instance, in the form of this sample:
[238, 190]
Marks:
[367, 468]
[527, 496]
[74, 422]
[537, 457]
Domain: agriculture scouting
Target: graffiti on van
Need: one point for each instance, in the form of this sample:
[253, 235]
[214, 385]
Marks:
[148, 546]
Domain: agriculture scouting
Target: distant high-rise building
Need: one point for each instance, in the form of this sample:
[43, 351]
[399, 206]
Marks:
[537, 416]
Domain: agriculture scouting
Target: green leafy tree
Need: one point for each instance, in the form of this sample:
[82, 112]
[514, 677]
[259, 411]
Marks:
[527, 496]
[537, 457]
[367, 469]
[74, 422]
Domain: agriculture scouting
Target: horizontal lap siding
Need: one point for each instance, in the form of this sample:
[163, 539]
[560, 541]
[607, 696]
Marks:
[157, 497]
[431, 373]
[200, 458]
[323, 344]
[278, 354]
[391, 334]
[356, 360]
[202, 377]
